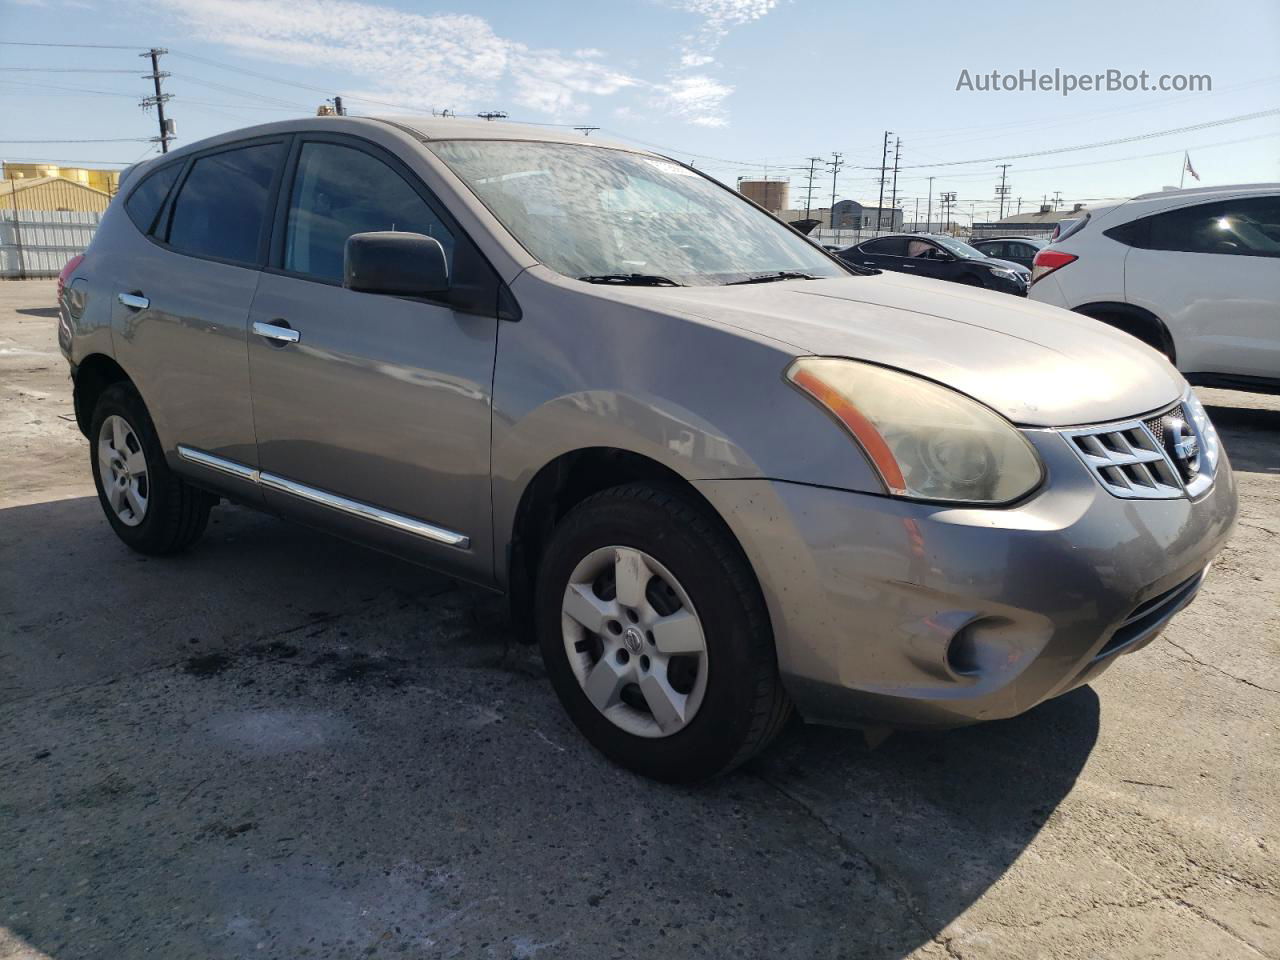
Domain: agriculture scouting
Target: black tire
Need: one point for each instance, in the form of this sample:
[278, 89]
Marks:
[744, 705]
[176, 513]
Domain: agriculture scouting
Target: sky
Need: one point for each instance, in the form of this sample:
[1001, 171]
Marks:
[737, 87]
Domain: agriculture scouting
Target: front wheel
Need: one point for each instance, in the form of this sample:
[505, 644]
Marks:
[656, 637]
[149, 507]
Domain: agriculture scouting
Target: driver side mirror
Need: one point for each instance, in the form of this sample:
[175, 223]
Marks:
[395, 264]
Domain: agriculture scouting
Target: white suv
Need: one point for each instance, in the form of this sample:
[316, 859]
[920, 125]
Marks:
[1193, 273]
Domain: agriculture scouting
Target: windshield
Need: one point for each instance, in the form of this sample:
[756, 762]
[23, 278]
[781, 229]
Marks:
[598, 212]
[961, 249]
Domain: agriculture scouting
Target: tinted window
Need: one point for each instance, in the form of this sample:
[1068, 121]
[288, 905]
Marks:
[143, 205]
[221, 207]
[992, 248]
[887, 246]
[339, 191]
[1248, 228]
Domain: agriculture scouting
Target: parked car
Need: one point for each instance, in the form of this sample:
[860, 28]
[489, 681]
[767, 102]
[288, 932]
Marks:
[1019, 250]
[1194, 274]
[718, 472]
[940, 257]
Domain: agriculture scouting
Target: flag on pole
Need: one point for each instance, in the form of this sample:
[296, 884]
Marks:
[1189, 168]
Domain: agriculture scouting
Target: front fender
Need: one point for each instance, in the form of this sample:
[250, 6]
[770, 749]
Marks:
[705, 400]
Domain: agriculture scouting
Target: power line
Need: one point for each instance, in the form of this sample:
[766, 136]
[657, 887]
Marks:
[116, 140]
[85, 46]
[60, 70]
[1241, 118]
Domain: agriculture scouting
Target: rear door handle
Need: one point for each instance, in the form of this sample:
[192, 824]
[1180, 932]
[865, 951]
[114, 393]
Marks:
[276, 330]
[134, 301]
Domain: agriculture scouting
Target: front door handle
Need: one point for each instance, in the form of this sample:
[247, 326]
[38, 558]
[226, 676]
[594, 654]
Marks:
[276, 330]
[134, 301]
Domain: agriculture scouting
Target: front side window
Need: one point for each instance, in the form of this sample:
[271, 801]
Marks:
[961, 249]
[222, 205]
[143, 205]
[339, 191]
[589, 211]
[1246, 228]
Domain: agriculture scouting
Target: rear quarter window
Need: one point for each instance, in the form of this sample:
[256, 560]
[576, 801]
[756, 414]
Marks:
[145, 202]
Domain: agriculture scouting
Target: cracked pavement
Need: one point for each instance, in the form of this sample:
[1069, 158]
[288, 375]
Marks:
[280, 745]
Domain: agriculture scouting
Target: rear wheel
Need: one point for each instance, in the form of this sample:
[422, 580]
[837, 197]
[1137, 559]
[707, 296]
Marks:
[655, 635]
[149, 507]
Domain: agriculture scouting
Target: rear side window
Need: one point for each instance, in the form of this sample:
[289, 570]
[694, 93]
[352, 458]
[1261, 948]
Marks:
[339, 191]
[887, 246]
[143, 205]
[1248, 227]
[222, 205]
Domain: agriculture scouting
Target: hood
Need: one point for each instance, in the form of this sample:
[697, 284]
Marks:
[1035, 364]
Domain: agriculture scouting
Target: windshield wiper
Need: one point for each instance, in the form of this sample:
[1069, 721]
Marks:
[771, 277]
[632, 279]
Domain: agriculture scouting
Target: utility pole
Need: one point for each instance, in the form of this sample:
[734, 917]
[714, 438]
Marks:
[916, 218]
[586, 131]
[884, 162]
[1019, 210]
[836, 166]
[893, 204]
[1057, 199]
[929, 210]
[948, 201]
[158, 101]
[808, 195]
[1002, 191]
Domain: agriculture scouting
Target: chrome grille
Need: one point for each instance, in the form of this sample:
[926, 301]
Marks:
[1128, 458]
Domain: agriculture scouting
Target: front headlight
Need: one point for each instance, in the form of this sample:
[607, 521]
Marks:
[1006, 274]
[926, 441]
[1203, 426]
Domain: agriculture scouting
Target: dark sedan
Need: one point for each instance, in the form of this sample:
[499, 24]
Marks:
[940, 257]
[1021, 250]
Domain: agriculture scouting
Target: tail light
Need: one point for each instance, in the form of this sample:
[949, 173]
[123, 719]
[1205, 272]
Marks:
[1049, 260]
[66, 273]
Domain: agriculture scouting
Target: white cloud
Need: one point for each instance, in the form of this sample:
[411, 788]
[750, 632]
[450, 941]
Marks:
[693, 95]
[424, 61]
[696, 98]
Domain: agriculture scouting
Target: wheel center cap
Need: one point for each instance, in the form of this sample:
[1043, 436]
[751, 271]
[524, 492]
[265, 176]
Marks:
[633, 638]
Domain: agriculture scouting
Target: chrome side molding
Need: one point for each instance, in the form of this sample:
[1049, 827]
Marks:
[231, 467]
[355, 508]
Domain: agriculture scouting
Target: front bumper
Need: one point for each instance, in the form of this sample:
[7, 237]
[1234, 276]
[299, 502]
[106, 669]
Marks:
[917, 615]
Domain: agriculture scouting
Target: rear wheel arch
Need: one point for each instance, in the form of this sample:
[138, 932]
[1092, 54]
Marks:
[93, 375]
[1135, 321]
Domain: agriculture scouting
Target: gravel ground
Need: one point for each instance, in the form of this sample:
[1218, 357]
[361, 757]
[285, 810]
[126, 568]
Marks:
[279, 745]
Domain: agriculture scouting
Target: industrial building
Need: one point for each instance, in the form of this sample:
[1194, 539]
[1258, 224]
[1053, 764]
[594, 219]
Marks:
[105, 181]
[52, 194]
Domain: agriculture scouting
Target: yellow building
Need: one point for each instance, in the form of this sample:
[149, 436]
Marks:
[51, 193]
[106, 181]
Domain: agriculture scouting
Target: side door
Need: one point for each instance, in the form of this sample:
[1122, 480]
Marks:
[930, 260]
[886, 253]
[181, 310]
[1212, 272]
[373, 416]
